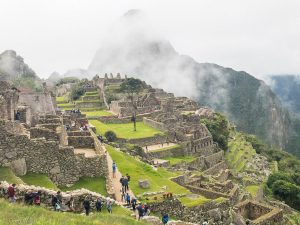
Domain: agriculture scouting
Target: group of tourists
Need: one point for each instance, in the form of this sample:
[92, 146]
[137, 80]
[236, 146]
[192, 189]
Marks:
[76, 111]
[98, 205]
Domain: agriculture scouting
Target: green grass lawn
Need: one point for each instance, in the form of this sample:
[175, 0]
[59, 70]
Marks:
[253, 189]
[139, 170]
[125, 130]
[191, 202]
[98, 113]
[41, 180]
[7, 175]
[95, 184]
[180, 159]
[16, 214]
[91, 93]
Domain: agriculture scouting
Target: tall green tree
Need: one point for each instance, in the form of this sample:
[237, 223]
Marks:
[132, 87]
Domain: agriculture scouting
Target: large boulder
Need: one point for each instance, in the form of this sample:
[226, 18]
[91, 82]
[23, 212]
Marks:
[144, 184]
[19, 167]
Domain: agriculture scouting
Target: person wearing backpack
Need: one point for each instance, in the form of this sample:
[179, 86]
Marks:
[98, 205]
[114, 169]
[11, 191]
[37, 198]
[165, 219]
[87, 205]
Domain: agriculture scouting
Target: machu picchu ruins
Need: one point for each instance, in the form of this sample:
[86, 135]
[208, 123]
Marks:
[66, 139]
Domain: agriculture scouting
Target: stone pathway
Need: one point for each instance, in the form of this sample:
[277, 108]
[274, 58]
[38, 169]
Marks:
[116, 181]
[159, 146]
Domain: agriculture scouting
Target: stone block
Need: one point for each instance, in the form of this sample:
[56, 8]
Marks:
[19, 167]
[144, 184]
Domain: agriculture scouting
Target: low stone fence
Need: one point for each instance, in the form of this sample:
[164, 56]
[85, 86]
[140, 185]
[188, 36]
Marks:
[46, 196]
[115, 119]
[206, 192]
[50, 126]
[172, 152]
[81, 141]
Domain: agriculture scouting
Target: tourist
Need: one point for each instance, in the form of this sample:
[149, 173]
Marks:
[109, 206]
[28, 197]
[205, 222]
[37, 198]
[141, 211]
[165, 218]
[123, 196]
[147, 210]
[18, 116]
[70, 204]
[133, 203]
[128, 177]
[87, 205]
[247, 222]
[146, 147]
[98, 205]
[128, 199]
[114, 169]
[11, 191]
[125, 184]
[55, 203]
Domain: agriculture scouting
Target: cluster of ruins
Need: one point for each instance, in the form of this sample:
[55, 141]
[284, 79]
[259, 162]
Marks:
[34, 138]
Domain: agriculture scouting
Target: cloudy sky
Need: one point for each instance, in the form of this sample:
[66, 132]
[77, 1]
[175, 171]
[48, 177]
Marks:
[260, 37]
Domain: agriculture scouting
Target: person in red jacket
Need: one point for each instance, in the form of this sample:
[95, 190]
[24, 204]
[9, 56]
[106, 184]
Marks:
[11, 191]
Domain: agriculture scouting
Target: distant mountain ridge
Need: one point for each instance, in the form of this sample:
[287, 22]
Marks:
[247, 101]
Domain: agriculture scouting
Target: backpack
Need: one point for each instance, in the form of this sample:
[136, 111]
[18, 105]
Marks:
[57, 206]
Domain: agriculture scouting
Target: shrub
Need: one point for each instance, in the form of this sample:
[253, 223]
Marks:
[110, 136]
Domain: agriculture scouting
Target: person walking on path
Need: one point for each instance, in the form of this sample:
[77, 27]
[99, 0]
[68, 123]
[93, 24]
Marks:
[87, 205]
[114, 169]
[128, 199]
[125, 184]
[140, 211]
[11, 191]
[165, 219]
[133, 204]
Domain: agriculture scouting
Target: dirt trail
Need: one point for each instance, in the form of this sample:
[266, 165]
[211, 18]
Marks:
[116, 181]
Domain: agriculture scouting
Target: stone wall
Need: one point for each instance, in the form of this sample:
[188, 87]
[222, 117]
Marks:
[46, 195]
[81, 141]
[213, 159]
[172, 152]
[154, 124]
[47, 157]
[207, 193]
[216, 168]
[259, 213]
[39, 132]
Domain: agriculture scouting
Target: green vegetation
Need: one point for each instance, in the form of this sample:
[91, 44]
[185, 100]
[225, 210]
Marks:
[7, 175]
[95, 184]
[286, 187]
[191, 202]
[139, 170]
[110, 136]
[41, 180]
[253, 189]
[219, 129]
[91, 93]
[125, 130]
[240, 152]
[180, 159]
[97, 113]
[15, 214]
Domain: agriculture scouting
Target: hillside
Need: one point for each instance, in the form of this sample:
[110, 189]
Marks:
[140, 51]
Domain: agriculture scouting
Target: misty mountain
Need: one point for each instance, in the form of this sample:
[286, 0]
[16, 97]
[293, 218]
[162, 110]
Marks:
[287, 88]
[77, 72]
[12, 67]
[132, 47]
